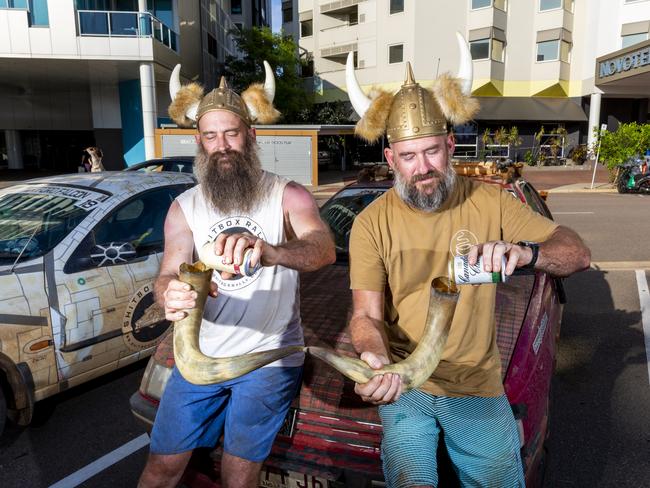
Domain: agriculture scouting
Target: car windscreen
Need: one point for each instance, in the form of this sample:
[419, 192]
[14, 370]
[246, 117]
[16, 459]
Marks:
[340, 211]
[31, 224]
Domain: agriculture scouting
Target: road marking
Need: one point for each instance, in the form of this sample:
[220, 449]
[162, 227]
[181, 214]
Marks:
[644, 300]
[572, 213]
[619, 265]
[87, 472]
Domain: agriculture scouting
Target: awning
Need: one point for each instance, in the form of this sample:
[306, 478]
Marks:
[531, 108]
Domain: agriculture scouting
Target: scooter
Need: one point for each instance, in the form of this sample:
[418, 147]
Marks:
[633, 177]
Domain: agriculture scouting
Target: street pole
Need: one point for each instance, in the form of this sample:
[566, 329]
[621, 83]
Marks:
[603, 128]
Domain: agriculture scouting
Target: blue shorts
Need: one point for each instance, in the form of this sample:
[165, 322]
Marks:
[248, 411]
[480, 434]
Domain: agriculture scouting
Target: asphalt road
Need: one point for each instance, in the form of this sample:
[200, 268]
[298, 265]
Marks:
[600, 402]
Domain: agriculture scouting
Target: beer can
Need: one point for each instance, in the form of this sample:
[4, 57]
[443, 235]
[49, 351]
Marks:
[214, 261]
[462, 273]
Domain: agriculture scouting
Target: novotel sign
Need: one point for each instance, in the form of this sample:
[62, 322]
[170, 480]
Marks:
[625, 62]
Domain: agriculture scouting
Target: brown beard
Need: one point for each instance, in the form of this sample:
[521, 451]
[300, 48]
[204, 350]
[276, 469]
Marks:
[230, 180]
[443, 186]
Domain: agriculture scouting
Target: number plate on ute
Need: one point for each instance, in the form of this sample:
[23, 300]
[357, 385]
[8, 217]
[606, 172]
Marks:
[273, 478]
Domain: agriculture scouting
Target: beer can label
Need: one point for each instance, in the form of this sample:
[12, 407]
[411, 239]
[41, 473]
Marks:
[466, 274]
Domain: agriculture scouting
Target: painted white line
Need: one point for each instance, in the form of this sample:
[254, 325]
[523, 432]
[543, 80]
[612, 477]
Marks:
[87, 472]
[644, 300]
[572, 213]
[619, 265]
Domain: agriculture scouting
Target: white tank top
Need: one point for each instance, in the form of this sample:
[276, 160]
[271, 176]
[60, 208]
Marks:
[255, 313]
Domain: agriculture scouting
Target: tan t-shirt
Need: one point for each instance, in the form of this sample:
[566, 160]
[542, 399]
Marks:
[399, 250]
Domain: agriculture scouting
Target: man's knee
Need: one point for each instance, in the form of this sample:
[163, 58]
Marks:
[238, 472]
[163, 470]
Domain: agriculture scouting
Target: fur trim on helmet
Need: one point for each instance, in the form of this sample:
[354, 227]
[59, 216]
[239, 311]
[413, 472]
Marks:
[372, 126]
[457, 107]
[261, 110]
[187, 96]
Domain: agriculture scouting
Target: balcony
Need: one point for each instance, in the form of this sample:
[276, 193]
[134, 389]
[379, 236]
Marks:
[340, 7]
[104, 23]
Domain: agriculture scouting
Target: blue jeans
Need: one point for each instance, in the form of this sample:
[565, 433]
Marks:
[248, 411]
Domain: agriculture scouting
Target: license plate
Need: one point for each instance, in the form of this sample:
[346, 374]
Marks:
[272, 478]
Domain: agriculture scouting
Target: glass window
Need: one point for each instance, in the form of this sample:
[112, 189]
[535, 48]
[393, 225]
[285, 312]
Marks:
[93, 23]
[633, 39]
[31, 224]
[235, 7]
[287, 12]
[549, 4]
[396, 6]
[38, 13]
[132, 230]
[480, 49]
[466, 137]
[396, 53]
[339, 213]
[548, 50]
[497, 50]
[306, 28]
[481, 4]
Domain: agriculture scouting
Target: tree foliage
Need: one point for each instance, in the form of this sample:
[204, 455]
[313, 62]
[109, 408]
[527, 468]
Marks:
[333, 113]
[257, 45]
[628, 141]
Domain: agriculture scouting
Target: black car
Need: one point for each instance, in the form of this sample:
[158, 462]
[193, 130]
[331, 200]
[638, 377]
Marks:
[178, 164]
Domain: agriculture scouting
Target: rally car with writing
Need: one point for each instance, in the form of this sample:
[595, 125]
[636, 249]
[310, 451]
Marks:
[78, 257]
[330, 437]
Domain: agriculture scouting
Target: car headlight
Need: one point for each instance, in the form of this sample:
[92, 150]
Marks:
[155, 379]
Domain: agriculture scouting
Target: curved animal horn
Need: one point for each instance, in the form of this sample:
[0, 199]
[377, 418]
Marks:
[174, 88]
[195, 366]
[360, 102]
[422, 362]
[465, 67]
[175, 81]
[269, 82]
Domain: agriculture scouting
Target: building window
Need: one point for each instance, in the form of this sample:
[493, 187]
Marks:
[395, 53]
[396, 6]
[239, 26]
[306, 28]
[287, 12]
[487, 49]
[235, 7]
[553, 51]
[549, 5]
[212, 47]
[466, 137]
[480, 49]
[476, 4]
[633, 39]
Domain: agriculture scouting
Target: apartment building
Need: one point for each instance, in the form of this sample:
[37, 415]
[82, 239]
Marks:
[567, 64]
[78, 73]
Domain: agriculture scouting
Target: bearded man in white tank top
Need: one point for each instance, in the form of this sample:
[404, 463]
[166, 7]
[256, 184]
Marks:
[238, 206]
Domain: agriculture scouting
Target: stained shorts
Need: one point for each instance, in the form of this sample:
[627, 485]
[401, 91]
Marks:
[480, 434]
[248, 411]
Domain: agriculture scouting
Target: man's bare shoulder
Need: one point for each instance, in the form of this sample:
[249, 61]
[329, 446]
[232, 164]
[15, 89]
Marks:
[296, 197]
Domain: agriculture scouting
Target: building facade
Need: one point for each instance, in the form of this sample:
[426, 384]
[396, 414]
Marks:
[79, 73]
[535, 62]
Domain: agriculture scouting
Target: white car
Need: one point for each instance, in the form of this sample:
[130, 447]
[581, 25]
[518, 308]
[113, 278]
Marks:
[78, 257]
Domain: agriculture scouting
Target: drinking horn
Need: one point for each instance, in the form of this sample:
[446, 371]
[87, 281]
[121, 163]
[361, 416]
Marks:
[422, 362]
[196, 367]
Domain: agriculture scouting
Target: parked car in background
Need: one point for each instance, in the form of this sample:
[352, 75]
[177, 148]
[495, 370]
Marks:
[78, 257]
[330, 437]
[178, 164]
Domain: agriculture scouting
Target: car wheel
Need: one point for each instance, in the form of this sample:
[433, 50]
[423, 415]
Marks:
[621, 185]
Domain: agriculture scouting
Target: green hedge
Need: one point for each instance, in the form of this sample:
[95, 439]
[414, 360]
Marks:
[628, 141]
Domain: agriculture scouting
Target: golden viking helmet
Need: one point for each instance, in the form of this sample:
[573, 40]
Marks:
[255, 105]
[414, 111]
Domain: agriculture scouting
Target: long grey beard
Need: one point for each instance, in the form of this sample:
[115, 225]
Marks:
[416, 198]
[230, 188]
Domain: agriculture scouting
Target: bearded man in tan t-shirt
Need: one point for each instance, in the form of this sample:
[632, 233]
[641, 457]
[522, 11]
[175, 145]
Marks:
[404, 239]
